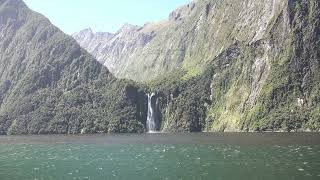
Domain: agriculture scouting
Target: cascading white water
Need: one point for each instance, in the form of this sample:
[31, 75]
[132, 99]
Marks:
[151, 124]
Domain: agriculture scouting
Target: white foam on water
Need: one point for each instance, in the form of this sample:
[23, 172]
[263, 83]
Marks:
[164, 150]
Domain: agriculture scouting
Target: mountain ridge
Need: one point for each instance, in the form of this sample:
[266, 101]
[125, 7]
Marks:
[162, 50]
[212, 66]
[262, 59]
[49, 85]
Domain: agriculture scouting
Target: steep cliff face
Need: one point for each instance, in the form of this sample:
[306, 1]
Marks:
[193, 35]
[266, 79]
[265, 86]
[231, 65]
[48, 84]
[212, 66]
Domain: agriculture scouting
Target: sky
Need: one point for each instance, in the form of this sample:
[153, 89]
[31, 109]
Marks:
[103, 15]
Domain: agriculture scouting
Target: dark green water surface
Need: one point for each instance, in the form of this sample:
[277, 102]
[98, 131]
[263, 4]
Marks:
[230, 156]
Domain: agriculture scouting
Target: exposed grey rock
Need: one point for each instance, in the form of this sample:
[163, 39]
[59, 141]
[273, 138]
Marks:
[193, 35]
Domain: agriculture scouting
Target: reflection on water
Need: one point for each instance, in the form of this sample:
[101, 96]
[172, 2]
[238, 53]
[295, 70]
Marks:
[161, 156]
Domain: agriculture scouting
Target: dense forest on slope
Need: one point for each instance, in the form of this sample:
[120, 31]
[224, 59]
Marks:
[48, 84]
[212, 66]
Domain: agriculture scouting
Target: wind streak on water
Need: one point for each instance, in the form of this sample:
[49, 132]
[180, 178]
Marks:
[161, 156]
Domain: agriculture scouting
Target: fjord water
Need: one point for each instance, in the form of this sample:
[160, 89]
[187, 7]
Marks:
[161, 156]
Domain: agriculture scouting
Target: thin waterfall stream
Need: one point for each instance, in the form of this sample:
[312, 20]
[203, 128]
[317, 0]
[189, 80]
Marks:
[151, 119]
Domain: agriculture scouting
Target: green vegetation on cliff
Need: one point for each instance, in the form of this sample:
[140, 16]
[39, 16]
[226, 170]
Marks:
[269, 84]
[213, 66]
[48, 84]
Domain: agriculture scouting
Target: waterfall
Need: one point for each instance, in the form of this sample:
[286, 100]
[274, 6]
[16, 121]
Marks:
[151, 119]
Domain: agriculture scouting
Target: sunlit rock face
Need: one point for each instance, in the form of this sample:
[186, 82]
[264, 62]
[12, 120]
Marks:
[215, 66]
[193, 34]
[113, 50]
[258, 62]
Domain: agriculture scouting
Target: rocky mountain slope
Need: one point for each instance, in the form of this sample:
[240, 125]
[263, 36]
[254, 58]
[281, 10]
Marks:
[192, 35]
[113, 50]
[212, 66]
[48, 84]
[225, 65]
